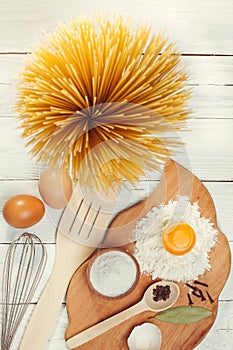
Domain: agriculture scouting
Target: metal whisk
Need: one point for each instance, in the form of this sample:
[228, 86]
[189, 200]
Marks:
[24, 265]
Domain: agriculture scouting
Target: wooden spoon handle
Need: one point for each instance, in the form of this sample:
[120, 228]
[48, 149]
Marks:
[70, 256]
[104, 326]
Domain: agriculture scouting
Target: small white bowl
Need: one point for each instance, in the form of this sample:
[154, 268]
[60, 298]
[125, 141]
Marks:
[111, 280]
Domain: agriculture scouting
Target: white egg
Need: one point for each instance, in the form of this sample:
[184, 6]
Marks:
[147, 336]
[55, 187]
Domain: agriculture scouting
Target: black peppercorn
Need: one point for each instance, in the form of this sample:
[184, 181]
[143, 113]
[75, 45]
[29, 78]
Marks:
[161, 293]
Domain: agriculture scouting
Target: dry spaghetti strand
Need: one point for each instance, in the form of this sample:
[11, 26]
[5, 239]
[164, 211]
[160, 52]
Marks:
[98, 97]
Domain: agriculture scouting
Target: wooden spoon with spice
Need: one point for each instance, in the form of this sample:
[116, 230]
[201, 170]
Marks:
[157, 297]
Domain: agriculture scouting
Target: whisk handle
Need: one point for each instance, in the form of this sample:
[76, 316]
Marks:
[70, 256]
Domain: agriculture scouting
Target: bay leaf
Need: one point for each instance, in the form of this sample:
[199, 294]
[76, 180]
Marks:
[183, 314]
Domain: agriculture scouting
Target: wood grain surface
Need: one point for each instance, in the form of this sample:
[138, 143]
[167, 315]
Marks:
[86, 308]
[196, 27]
[203, 33]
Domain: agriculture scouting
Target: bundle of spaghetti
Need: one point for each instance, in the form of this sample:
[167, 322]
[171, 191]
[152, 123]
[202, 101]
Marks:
[98, 97]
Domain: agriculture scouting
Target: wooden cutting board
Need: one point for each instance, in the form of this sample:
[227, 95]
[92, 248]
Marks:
[86, 308]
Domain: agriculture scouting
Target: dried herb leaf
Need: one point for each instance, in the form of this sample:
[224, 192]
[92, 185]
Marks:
[183, 314]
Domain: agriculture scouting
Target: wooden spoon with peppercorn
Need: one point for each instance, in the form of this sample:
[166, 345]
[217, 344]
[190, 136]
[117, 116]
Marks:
[157, 297]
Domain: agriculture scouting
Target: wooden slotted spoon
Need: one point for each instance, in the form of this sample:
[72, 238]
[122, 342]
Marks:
[81, 229]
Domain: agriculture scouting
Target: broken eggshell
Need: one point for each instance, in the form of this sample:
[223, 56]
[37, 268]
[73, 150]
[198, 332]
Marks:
[147, 336]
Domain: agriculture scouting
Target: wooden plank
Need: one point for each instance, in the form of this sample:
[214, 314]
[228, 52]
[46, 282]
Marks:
[7, 98]
[209, 143]
[208, 151]
[13, 153]
[209, 70]
[211, 101]
[196, 28]
[10, 67]
[218, 337]
[227, 293]
[207, 101]
[215, 70]
[221, 192]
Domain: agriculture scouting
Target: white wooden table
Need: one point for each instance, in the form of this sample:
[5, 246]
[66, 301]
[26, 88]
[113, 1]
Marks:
[203, 32]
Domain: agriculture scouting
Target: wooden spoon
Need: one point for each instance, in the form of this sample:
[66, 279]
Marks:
[146, 304]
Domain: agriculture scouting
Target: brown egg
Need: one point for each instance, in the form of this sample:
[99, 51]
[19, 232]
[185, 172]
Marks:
[23, 211]
[55, 187]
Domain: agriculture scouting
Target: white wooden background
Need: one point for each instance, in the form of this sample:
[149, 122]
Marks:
[203, 32]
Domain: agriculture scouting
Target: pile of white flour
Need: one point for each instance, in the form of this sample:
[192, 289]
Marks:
[154, 259]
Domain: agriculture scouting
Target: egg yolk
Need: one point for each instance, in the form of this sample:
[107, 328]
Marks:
[178, 238]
